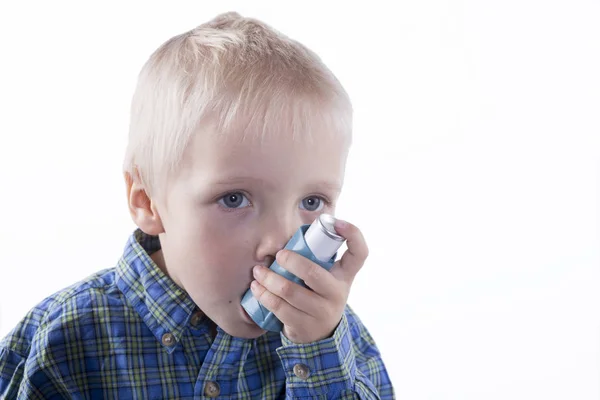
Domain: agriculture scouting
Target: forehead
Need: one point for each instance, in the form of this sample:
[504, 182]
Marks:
[277, 159]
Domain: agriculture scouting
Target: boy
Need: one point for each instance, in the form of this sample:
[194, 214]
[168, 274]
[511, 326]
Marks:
[238, 136]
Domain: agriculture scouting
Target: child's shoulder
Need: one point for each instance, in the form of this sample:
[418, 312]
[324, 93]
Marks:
[61, 311]
[97, 281]
[77, 297]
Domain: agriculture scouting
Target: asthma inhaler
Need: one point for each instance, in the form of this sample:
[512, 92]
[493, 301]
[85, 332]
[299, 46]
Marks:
[318, 242]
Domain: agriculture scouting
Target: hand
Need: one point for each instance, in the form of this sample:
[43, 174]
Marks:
[309, 316]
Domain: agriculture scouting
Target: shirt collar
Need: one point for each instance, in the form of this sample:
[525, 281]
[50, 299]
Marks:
[164, 307]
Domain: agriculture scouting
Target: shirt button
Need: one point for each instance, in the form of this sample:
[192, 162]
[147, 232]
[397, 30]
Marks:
[212, 389]
[301, 371]
[196, 318]
[168, 339]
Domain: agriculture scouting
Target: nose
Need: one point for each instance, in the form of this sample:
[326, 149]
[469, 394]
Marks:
[275, 232]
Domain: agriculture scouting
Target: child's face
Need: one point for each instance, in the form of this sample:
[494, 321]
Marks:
[234, 205]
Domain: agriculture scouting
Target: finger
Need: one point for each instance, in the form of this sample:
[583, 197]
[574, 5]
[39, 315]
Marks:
[297, 296]
[283, 310]
[314, 276]
[356, 254]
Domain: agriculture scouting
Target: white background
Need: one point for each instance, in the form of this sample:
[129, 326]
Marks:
[474, 174]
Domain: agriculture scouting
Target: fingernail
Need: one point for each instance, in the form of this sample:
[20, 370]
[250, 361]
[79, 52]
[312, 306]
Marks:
[254, 285]
[258, 272]
[340, 224]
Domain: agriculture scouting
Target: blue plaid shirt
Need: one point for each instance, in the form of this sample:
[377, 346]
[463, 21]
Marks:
[130, 332]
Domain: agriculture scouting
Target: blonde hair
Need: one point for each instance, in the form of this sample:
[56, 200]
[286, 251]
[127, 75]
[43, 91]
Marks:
[232, 75]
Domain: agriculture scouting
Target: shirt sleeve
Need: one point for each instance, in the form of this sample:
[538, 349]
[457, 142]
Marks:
[347, 365]
[14, 358]
[21, 374]
[11, 373]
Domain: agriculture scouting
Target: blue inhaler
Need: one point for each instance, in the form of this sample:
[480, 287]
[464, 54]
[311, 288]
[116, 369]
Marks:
[318, 242]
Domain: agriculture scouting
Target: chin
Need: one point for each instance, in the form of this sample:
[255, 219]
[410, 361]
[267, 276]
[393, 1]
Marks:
[243, 330]
[241, 326]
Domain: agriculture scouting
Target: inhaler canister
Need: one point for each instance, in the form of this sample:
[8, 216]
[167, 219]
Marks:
[322, 239]
[318, 242]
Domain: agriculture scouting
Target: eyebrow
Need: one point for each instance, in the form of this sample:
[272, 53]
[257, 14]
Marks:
[336, 187]
[239, 179]
[329, 185]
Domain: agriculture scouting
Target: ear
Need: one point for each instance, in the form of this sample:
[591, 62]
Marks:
[141, 207]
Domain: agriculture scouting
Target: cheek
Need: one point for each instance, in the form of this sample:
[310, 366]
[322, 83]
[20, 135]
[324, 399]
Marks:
[212, 248]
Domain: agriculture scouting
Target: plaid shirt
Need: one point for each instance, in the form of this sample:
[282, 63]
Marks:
[130, 332]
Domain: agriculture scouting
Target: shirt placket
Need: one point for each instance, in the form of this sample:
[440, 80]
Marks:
[220, 371]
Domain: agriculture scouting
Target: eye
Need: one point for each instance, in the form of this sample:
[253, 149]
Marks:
[312, 203]
[234, 200]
